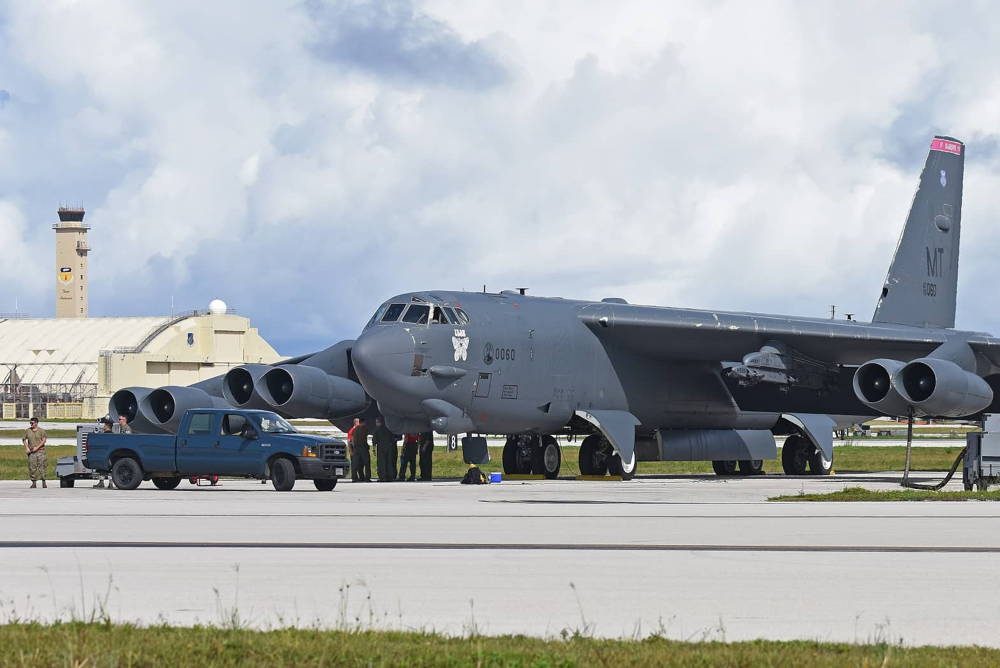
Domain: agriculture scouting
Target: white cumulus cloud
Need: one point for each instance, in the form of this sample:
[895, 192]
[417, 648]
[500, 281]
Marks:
[305, 161]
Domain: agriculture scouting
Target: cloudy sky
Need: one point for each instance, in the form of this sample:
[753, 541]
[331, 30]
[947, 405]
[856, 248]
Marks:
[306, 160]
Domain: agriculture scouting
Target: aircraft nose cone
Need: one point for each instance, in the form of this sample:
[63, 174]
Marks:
[383, 359]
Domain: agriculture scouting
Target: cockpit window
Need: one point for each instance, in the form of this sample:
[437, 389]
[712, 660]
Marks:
[463, 317]
[393, 312]
[440, 317]
[416, 314]
[377, 316]
[448, 313]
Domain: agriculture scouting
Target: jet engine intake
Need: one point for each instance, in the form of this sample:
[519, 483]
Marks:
[301, 391]
[166, 405]
[873, 386]
[940, 388]
[129, 402]
[239, 386]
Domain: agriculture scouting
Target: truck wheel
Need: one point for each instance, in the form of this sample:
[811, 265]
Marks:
[66, 482]
[126, 473]
[167, 482]
[325, 485]
[282, 474]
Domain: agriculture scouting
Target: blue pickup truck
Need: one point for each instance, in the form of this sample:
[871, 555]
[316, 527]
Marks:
[228, 442]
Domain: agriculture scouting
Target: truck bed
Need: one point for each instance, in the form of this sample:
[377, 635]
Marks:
[158, 451]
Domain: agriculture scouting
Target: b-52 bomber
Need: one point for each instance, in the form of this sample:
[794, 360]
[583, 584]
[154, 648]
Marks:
[644, 382]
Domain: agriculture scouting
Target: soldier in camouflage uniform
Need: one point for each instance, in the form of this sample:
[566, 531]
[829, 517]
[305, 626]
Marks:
[34, 446]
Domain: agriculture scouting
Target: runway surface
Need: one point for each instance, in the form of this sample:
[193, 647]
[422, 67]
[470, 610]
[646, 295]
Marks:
[687, 557]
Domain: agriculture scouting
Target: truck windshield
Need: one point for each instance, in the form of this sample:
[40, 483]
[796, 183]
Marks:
[271, 423]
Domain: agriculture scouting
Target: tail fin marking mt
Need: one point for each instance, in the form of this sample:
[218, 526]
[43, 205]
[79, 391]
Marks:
[921, 286]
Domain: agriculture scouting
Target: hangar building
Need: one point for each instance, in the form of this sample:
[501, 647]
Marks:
[70, 367]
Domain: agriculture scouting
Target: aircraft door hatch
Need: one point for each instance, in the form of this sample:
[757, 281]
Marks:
[483, 385]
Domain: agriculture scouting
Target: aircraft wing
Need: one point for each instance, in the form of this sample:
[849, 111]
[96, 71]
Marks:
[835, 346]
[680, 334]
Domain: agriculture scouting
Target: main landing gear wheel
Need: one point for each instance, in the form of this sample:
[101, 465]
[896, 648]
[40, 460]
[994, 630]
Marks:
[615, 467]
[547, 458]
[751, 467]
[799, 456]
[594, 455]
[818, 464]
[724, 467]
[325, 484]
[518, 454]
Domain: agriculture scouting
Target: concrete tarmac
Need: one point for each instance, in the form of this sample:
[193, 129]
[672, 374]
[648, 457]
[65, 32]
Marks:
[688, 557]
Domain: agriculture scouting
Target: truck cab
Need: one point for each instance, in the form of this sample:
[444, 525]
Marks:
[226, 442]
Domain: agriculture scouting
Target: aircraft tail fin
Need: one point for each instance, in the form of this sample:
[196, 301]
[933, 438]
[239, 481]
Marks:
[922, 283]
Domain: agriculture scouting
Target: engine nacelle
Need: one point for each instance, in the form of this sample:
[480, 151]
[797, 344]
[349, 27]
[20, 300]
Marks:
[165, 406]
[301, 391]
[873, 386]
[128, 402]
[940, 388]
[239, 386]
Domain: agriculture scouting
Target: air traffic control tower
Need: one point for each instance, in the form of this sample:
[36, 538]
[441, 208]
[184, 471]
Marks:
[71, 263]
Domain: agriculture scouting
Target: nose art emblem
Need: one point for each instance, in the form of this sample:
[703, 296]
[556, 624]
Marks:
[460, 344]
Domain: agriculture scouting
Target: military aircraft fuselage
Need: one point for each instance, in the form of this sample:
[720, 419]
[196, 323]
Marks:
[509, 363]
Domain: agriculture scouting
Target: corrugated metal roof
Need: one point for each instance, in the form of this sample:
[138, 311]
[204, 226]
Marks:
[65, 350]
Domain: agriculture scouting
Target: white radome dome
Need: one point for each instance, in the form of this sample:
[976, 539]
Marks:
[217, 307]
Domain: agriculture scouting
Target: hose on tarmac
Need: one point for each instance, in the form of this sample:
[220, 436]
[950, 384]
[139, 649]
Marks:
[906, 471]
[954, 467]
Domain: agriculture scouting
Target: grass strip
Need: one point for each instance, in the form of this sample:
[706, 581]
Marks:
[14, 464]
[845, 459]
[80, 644]
[862, 494]
[52, 433]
